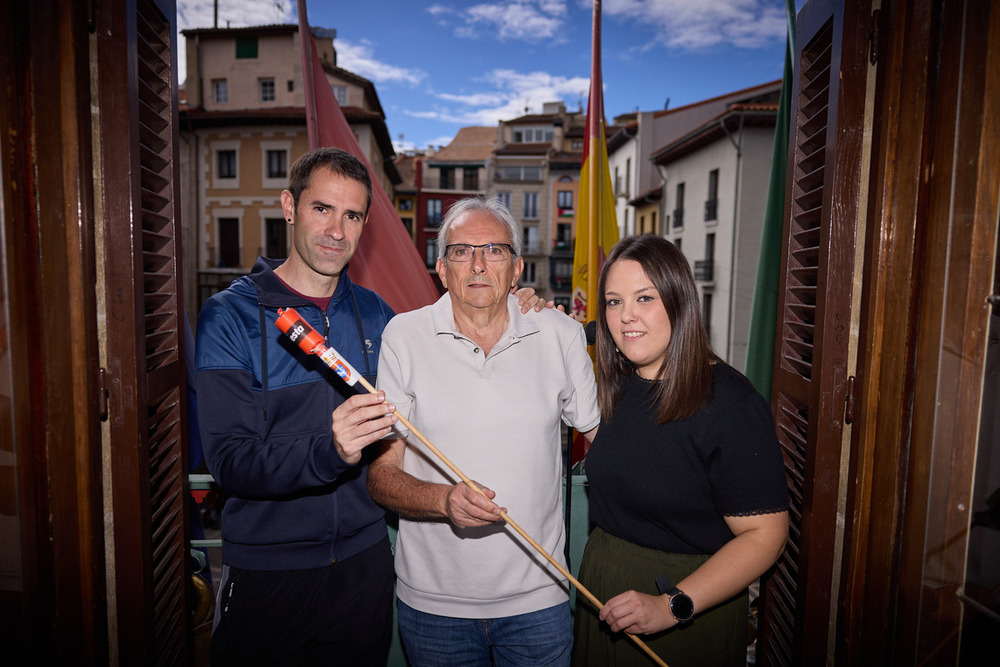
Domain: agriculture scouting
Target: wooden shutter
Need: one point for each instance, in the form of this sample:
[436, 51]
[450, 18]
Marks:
[814, 318]
[138, 120]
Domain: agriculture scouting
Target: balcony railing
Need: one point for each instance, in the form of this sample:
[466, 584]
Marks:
[711, 208]
[704, 270]
[678, 217]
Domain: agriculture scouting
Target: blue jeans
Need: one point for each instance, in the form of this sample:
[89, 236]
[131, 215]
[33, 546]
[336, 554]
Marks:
[534, 639]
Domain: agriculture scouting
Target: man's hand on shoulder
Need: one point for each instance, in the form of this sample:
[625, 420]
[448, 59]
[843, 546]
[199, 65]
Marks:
[359, 421]
[527, 299]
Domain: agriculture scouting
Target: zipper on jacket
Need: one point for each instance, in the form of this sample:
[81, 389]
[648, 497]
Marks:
[326, 327]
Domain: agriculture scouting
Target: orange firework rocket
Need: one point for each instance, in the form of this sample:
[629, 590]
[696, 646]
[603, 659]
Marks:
[308, 339]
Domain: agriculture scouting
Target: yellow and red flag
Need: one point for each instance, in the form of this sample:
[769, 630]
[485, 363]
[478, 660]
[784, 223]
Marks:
[596, 222]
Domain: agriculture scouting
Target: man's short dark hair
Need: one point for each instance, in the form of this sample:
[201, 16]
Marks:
[336, 160]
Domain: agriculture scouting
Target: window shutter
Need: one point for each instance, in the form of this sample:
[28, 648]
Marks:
[138, 113]
[811, 350]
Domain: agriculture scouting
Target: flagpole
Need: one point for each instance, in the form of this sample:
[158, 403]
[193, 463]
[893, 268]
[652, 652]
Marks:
[305, 40]
[594, 119]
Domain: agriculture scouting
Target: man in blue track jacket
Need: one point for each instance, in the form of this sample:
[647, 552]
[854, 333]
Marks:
[307, 567]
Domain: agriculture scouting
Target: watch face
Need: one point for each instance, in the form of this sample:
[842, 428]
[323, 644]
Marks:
[681, 607]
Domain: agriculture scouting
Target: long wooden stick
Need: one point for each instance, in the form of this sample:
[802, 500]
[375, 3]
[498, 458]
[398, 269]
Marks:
[300, 332]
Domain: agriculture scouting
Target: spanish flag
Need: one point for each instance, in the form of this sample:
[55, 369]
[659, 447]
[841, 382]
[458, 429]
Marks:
[596, 223]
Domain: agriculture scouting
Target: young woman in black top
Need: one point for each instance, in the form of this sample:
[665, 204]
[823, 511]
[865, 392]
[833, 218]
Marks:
[687, 486]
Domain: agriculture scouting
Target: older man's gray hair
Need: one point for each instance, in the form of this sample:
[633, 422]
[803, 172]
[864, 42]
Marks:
[491, 205]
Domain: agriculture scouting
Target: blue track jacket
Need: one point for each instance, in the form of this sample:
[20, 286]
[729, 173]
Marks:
[265, 413]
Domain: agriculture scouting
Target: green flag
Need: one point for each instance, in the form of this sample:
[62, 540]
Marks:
[763, 315]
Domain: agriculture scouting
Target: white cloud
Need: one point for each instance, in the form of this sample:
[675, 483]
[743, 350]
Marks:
[526, 20]
[687, 25]
[511, 94]
[358, 58]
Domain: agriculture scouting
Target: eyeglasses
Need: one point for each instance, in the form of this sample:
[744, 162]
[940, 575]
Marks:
[464, 252]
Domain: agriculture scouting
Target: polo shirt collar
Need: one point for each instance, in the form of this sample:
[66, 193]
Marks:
[518, 324]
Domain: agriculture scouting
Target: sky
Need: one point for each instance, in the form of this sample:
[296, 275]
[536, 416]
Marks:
[440, 65]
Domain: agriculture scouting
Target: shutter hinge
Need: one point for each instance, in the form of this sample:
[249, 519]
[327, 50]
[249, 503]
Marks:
[873, 38]
[102, 394]
[849, 401]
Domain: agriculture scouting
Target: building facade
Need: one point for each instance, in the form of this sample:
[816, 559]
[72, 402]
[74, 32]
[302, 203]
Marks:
[712, 207]
[635, 136]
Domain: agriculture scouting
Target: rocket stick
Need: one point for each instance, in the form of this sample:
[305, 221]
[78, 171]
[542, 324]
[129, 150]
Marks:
[310, 341]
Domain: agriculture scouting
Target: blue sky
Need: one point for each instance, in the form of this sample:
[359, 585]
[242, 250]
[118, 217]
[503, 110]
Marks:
[440, 65]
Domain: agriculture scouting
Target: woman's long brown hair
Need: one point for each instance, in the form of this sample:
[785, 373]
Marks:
[686, 373]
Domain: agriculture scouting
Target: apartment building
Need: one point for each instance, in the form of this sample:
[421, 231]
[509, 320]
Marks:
[634, 136]
[536, 171]
[243, 124]
[712, 207]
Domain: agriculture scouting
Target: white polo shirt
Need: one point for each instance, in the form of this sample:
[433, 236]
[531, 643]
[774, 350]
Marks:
[497, 418]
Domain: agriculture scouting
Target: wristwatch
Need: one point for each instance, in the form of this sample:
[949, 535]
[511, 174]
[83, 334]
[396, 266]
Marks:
[680, 604]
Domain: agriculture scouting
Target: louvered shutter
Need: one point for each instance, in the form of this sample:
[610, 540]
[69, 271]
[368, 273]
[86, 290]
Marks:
[811, 349]
[138, 114]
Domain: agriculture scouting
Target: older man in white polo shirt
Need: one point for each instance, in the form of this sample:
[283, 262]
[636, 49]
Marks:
[489, 387]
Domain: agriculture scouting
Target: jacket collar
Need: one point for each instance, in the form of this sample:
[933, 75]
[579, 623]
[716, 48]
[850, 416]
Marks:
[272, 293]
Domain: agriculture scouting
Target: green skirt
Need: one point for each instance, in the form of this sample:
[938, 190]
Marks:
[611, 566]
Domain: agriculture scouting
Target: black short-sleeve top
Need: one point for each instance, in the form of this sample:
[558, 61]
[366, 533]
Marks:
[669, 486]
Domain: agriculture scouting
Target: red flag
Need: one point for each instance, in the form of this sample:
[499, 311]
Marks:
[386, 260]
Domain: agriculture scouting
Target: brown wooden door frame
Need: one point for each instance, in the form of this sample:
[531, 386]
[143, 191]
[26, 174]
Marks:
[59, 617]
[923, 331]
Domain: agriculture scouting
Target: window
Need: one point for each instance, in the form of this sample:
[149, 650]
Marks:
[246, 47]
[706, 311]
[679, 207]
[220, 91]
[406, 204]
[276, 241]
[226, 161]
[564, 200]
[653, 221]
[291, 86]
[431, 252]
[577, 145]
[266, 90]
[528, 276]
[628, 176]
[447, 178]
[408, 225]
[677, 242]
[709, 247]
[561, 278]
[521, 173]
[712, 203]
[340, 92]
[531, 239]
[504, 198]
[229, 241]
[433, 212]
[564, 236]
[529, 135]
[530, 206]
[277, 165]
[470, 178]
